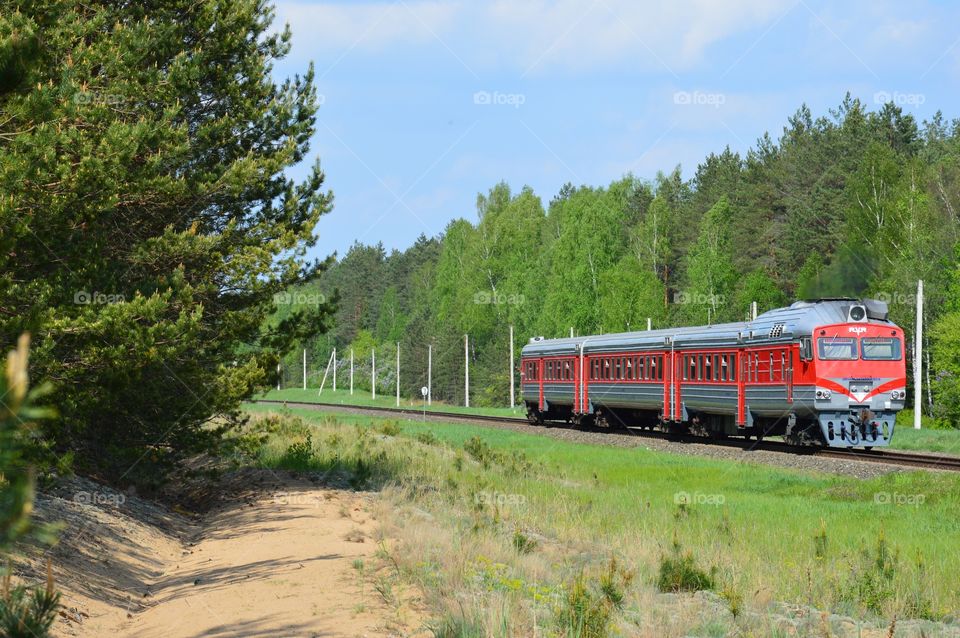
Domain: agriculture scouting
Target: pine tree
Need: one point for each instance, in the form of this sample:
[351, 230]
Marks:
[147, 219]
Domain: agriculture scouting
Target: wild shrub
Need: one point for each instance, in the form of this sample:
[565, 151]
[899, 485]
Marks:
[523, 543]
[24, 612]
[679, 572]
[588, 606]
[427, 438]
[820, 541]
[27, 612]
[481, 451]
[390, 428]
[872, 575]
[299, 455]
[583, 612]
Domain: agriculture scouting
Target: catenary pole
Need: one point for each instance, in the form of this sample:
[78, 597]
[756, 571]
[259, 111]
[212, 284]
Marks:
[466, 370]
[511, 369]
[918, 360]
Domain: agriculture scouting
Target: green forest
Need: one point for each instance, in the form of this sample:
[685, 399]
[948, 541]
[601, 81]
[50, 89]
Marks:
[854, 202]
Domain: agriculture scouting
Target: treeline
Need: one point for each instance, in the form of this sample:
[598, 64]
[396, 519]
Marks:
[856, 202]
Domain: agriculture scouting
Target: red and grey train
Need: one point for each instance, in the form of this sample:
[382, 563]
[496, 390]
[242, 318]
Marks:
[825, 372]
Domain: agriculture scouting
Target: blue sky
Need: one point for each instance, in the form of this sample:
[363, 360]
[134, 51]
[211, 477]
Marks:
[427, 103]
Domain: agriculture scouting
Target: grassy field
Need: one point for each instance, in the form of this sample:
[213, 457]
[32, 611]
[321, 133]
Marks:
[905, 437]
[510, 533]
[362, 398]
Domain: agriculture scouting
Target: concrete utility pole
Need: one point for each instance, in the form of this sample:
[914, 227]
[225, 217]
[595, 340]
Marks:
[511, 369]
[351, 371]
[429, 373]
[398, 374]
[649, 324]
[571, 332]
[918, 361]
[334, 369]
[373, 373]
[304, 368]
[753, 310]
[466, 370]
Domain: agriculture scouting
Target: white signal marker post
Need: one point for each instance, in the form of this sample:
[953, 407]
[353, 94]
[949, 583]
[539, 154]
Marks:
[466, 370]
[511, 368]
[304, 368]
[373, 373]
[334, 369]
[918, 360]
[571, 332]
[398, 374]
[753, 311]
[351, 371]
[278, 375]
[429, 373]
[649, 324]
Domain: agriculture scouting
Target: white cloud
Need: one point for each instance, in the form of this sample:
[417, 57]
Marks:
[535, 35]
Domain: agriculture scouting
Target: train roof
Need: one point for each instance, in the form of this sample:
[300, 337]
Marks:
[775, 326]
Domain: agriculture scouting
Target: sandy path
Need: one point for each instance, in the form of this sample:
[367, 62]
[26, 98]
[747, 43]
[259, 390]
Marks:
[279, 561]
[277, 565]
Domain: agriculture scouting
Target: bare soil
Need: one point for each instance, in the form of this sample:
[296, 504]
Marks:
[273, 555]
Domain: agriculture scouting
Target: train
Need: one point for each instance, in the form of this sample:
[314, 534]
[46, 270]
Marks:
[824, 372]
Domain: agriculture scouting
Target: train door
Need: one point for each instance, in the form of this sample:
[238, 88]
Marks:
[540, 372]
[741, 388]
[786, 361]
[668, 389]
[678, 369]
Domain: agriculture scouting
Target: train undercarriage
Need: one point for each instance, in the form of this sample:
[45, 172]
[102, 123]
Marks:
[856, 428]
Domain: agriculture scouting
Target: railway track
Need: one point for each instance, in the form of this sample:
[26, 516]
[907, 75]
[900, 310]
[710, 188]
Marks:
[930, 461]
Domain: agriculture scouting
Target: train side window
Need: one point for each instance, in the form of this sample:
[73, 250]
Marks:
[657, 364]
[642, 370]
[783, 364]
[732, 368]
[771, 367]
[716, 367]
[630, 367]
[724, 367]
[756, 367]
[708, 368]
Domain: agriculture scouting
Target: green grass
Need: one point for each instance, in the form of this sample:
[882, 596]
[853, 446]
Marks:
[363, 398]
[905, 437]
[770, 532]
[928, 438]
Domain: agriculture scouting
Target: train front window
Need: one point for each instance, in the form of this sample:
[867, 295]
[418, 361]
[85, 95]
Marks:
[880, 348]
[837, 348]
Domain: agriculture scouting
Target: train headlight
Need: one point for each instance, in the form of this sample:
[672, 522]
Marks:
[898, 395]
[823, 394]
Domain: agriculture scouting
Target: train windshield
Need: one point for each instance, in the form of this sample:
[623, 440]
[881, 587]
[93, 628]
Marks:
[880, 348]
[837, 348]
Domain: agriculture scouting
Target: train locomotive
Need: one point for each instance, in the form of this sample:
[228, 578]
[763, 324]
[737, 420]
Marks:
[827, 372]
